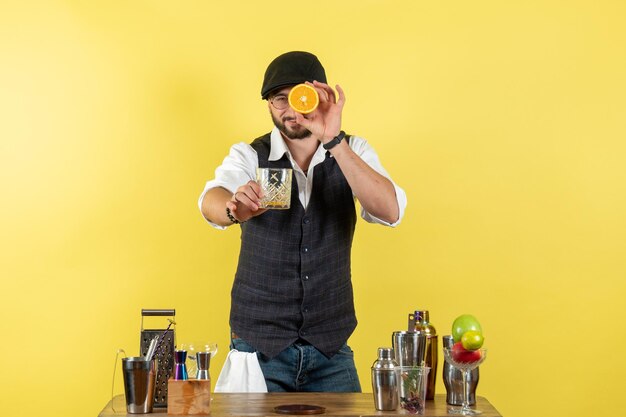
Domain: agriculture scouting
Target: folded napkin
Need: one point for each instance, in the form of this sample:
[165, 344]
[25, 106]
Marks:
[241, 373]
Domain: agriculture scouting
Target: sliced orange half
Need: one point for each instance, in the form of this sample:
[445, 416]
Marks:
[303, 98]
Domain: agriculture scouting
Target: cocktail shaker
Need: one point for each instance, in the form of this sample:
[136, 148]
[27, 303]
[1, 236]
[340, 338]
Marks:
[419, 322]
[409, 348]
[139, 384]
[453, 380]
[385, 381]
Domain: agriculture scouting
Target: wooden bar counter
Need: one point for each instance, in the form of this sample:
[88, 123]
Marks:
[340, 405]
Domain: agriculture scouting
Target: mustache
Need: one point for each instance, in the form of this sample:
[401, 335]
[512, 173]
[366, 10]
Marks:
[289, 119]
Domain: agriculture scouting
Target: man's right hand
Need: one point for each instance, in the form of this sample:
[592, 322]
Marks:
[244, 203]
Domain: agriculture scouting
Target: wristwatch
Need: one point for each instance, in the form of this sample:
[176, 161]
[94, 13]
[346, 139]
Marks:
[335, 141]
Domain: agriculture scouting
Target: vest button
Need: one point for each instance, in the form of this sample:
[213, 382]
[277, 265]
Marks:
[305, 310]
[302, 333]
[306, 220]
[306, 278]
[305, 249]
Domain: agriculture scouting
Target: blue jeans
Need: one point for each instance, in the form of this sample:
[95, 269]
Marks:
[302, 368]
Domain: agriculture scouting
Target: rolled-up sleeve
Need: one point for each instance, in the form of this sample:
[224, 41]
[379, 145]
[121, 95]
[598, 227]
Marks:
[236, 169]
[367, 153]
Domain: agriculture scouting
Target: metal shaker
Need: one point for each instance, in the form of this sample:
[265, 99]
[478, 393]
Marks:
[203, 360]
[409, 348]
[139, 384]
[419, 322]
[453, 380]
[385, 381]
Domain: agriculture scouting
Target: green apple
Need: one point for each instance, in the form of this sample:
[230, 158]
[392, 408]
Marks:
[472, 340]
[464, 323]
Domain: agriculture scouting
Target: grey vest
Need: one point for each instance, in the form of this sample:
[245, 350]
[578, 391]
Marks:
[293, 277]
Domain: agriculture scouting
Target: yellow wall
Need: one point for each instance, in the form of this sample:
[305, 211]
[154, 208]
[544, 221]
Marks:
[503, 121]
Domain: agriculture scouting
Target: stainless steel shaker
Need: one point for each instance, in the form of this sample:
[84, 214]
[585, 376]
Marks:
[420, 322]
[385, 381]
[453, 380]
[139, 384]
[409, 348]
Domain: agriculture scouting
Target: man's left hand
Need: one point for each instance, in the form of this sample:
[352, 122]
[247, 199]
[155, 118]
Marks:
[325, 122]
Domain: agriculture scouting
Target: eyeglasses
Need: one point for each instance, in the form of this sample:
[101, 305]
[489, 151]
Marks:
[279, 101]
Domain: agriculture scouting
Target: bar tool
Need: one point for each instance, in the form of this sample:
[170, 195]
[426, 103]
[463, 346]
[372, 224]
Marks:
[453, 380]
[164, 349]
[203, 360]
[419, 322]
[152, 348]
[409, 348]
[139, 384]
[180, 369]
[385, 381]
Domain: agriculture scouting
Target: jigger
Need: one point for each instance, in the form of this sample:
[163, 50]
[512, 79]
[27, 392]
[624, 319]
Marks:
[180, 368]
[203, 359]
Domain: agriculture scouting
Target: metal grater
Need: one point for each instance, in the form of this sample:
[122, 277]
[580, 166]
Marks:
[165, 352]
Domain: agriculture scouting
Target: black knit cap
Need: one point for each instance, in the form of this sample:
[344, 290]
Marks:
[292, 68]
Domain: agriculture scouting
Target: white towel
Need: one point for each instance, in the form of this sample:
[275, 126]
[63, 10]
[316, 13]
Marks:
[241, 373]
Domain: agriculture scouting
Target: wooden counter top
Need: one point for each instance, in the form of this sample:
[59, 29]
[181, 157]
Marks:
[339, 405]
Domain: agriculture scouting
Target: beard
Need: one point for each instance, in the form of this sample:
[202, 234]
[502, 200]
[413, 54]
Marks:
[299, 132]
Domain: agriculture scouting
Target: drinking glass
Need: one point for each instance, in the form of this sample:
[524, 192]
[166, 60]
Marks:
[276, 186]
[465, 362]
[413, 383]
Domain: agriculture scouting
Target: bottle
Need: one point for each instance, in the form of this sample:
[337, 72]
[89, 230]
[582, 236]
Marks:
[385, 380]
[453, 380]
[419, 322]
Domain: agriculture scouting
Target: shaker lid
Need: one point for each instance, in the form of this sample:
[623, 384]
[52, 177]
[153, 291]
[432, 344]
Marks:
[385, 360]
[385, 353]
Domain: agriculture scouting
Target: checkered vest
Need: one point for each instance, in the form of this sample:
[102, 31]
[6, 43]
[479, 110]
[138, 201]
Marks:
[293, 279]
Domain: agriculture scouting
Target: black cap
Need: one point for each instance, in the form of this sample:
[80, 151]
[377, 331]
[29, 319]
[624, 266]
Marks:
[292, 68]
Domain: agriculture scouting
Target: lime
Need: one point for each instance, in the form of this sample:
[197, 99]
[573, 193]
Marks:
[472, 340]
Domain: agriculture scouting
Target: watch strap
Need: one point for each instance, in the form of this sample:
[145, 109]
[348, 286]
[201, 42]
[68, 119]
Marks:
[335, 141]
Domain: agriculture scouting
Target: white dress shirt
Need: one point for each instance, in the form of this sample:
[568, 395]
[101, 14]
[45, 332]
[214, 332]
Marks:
[240, 166]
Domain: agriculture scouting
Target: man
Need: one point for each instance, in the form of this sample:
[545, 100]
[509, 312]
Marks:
[292, 295]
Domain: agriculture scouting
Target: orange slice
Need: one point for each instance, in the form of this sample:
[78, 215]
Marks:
[303, 98]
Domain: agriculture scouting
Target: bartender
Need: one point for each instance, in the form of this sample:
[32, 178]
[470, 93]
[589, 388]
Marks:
[292, 300]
